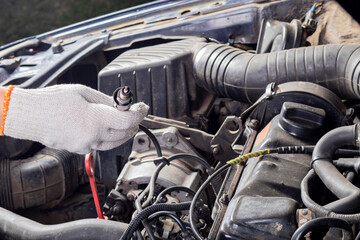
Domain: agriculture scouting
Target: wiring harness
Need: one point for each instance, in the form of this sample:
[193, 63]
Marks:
[146, 212]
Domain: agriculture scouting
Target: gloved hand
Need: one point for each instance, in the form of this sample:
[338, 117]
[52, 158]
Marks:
[71, 117]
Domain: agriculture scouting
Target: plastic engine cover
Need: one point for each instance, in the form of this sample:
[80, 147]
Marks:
[268, 195]
[260, 218]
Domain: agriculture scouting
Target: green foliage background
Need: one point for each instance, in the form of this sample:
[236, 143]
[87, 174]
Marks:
[24, 18]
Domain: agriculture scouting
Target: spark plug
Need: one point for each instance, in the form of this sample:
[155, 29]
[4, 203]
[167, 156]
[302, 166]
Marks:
[122, 98]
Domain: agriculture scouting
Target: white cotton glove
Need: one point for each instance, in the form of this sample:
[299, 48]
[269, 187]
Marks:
[71, 117]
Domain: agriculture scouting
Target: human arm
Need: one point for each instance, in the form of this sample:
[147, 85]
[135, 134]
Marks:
[71, 117]
[2, 94]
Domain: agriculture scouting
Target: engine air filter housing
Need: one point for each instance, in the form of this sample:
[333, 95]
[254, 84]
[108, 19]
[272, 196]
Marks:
[159, 75]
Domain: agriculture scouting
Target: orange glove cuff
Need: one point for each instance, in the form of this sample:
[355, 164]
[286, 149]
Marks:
[5, 108]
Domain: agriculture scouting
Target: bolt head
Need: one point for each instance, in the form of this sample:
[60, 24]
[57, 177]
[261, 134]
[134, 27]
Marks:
[216, 150]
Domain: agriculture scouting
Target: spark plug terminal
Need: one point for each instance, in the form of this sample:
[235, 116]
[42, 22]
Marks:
[122, 98]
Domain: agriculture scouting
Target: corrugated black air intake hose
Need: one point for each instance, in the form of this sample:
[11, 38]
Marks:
[47, 177]
[13, 226]
[243, 76]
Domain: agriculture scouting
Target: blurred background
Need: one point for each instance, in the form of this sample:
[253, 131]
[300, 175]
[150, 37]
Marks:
[24, 18]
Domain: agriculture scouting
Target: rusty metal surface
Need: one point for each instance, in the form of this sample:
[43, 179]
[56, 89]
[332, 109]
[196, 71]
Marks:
[232, 178]
[335, 26]
[303, 216]
[224, 139]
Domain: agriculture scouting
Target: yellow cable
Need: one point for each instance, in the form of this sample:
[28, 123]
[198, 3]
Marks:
[245, 157]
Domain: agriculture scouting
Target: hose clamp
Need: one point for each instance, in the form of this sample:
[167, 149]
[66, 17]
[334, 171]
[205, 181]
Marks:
[270, 90]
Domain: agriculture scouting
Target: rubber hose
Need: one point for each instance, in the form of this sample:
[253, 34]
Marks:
[153, 139]
[347, 153]
[323, 223]
[347, 163]
[328, 144]
[134, 224]
[13, 226]
[323, 155]
[319, 210]
[243, 76]
[48, 176]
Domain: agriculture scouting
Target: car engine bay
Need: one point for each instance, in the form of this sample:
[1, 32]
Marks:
[253, 130]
